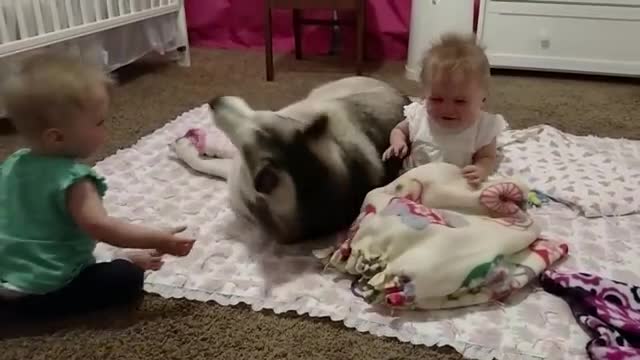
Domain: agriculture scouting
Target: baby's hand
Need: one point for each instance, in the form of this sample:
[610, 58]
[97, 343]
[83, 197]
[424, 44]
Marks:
[398, 150]
[474, 174]
[176, 245]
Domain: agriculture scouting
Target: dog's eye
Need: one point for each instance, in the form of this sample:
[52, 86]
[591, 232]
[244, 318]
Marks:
[266, 180]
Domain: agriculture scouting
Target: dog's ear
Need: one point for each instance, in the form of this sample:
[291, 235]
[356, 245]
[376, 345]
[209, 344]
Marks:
[316, 128]
[213, 103]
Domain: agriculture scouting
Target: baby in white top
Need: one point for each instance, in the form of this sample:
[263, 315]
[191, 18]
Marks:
[451, 126]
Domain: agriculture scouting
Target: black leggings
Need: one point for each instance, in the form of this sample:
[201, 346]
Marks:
[101, 285]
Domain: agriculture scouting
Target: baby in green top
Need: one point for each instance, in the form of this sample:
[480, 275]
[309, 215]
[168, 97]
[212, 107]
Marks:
[51, 211]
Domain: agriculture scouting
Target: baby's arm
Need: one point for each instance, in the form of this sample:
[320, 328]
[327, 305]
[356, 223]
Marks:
[85, 206]
[398, 141]
[400, 132]
[484, 164]
[487, 158]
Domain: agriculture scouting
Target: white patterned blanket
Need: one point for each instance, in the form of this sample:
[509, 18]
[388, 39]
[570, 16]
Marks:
[595, 176]
[230, 265]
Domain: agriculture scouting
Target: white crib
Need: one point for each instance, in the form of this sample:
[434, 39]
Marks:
[111, 33]
[116, 31]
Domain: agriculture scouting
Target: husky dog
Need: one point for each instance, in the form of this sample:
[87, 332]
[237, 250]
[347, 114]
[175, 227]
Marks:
[303, 171]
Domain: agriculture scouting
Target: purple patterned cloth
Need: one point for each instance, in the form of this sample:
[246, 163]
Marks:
[608, 310]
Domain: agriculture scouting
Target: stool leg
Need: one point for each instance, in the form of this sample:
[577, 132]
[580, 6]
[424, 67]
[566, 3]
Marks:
[268, 41]
[360, 29]
[297, 32]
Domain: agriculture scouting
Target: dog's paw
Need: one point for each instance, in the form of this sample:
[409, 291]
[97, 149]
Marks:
[184, 149]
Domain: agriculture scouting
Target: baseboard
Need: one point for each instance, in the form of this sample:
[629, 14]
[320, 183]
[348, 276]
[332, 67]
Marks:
[570, 65]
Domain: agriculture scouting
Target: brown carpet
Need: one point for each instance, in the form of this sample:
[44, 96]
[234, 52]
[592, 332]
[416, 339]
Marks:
[152, 94]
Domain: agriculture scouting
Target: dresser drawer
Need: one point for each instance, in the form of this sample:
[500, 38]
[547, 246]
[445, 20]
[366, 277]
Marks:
[567, 36]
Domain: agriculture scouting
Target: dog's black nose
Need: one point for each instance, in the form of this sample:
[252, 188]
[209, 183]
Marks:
[213, 103]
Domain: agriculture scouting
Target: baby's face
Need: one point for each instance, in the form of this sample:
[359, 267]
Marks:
[454, 103]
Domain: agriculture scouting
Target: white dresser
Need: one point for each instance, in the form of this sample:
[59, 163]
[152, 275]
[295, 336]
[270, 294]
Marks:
[585, 36]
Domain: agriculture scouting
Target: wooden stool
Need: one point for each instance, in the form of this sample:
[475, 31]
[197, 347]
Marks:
[298, 21]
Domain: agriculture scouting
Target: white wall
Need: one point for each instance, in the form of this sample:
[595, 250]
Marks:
[431, 18]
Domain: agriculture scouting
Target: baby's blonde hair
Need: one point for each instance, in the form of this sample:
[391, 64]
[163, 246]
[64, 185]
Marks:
[48, 89]
[456, 54]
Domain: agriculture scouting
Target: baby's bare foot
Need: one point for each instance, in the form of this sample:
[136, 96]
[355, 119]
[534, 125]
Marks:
[146, 259]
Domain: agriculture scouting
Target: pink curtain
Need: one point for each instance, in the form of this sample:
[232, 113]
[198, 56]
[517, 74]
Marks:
[234, 24]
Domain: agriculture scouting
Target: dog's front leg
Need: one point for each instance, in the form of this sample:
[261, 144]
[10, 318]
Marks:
[186, 152]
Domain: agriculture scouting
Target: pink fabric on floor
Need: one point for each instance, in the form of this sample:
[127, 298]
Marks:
[238, 24]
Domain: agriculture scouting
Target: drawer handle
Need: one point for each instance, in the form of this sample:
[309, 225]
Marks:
[545, 39]
[545, 43]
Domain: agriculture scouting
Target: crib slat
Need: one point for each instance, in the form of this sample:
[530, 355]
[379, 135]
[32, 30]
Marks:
[97, 5]
[22, 21]
[37, 11]
[110, 10]
[41, 17]
[84, 12]
[70, 16]
[53, 8]
[4, 32]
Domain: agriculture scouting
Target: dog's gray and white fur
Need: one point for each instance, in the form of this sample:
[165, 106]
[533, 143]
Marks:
[303, 171]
